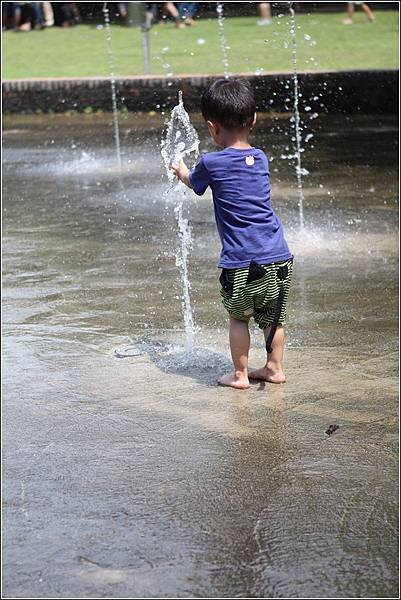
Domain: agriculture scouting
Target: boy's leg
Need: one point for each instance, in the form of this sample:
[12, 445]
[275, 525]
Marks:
[273, 369]
[239, 346]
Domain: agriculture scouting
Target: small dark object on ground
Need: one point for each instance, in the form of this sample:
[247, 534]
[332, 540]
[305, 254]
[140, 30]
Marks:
[332, 429]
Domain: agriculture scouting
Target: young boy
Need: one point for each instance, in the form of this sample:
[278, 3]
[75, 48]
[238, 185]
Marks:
[255, 260]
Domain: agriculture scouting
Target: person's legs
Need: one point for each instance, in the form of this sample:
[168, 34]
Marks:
[184, 12]
[239, 346]
[16, 12]
[350, 14]
[265, 13]
[74, 12]
[182, 9]
[190, 12]
[122, 10]
[273, 369]
[272, 297]
[368, 12]
[170, 8]
[48, 14]
[66, 16]
[39, 18]
[192, 8]
[4, 15]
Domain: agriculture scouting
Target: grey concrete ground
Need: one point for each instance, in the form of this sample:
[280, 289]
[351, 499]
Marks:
[132, 477]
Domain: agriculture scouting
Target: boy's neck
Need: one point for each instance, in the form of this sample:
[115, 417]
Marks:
[235, 139]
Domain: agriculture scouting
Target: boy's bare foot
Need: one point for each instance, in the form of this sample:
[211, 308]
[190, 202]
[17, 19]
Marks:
[267, 374]
[234, 381]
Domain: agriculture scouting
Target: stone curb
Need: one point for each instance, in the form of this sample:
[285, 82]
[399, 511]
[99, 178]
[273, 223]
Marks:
[368, 91]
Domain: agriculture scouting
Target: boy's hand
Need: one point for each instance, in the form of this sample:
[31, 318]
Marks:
[182, 172]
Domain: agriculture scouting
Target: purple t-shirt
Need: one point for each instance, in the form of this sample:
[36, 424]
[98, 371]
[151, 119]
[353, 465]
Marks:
[248, 227]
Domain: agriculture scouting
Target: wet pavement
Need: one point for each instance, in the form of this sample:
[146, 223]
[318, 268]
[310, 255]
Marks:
[138, 476]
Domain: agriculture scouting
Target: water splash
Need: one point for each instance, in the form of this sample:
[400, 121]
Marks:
[112, 83]
[181, 261]
[181, 140]
[223, 43]
[297, 121]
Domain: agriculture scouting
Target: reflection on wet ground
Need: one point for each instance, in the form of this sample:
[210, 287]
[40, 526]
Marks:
[137, 476]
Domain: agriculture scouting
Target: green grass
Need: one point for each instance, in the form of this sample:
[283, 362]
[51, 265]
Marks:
[82, 50]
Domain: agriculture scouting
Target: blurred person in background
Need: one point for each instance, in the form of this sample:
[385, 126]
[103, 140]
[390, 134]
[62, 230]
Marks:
[152, 12]
[48, 14]
[12, 14]
[122, 10]
[39, 20]
[25, 16]
[265, 14]
[186, 13]
[351, 9]
[66, 14]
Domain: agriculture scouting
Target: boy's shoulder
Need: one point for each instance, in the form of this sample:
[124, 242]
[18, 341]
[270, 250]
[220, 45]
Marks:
[209, 158]
[217, 157]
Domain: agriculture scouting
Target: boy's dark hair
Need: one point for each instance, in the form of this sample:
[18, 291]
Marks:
[230, 102]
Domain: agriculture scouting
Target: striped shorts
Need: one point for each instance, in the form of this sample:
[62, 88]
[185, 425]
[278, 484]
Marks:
[244, 299]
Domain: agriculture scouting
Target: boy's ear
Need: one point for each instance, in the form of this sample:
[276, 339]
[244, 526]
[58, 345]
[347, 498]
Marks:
[213, 127]
[254, 121]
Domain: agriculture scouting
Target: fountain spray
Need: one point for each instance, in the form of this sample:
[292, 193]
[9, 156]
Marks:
[113, 84]
[180, 140]
[223, 44]
[297, 126]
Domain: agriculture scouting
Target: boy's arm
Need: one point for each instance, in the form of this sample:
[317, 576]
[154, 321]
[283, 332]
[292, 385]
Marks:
[197, 180]
[182, 172]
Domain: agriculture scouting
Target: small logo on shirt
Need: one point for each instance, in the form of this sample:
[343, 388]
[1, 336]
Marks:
[249, 161]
